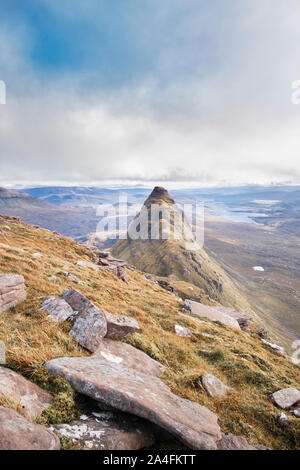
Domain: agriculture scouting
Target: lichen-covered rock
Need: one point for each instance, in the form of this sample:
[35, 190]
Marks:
[214, 387]
[108, 431]
[2, 353]
[142, 395]
[77, 301]
[126, 355]
[12, 291]
[89, 328]
[59, 310]
[119, 326]
[33, 399]
[286, 398]
[16, 433]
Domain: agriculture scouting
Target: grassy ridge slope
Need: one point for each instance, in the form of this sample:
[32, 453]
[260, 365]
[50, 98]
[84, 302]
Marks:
[239, 359]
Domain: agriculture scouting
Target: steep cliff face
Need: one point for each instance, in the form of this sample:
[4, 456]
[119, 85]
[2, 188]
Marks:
[178, 256]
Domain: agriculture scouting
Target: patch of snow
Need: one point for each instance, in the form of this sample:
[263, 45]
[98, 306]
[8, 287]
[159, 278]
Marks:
[258, 268]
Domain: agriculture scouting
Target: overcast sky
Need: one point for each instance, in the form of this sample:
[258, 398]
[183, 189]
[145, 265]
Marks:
[190, 91]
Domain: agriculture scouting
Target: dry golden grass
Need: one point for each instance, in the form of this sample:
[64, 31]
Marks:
[237, 358]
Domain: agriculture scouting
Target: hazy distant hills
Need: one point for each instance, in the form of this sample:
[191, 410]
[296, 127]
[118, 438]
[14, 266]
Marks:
[73, 222]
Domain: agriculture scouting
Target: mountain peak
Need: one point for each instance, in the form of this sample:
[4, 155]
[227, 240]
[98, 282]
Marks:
[159, 195]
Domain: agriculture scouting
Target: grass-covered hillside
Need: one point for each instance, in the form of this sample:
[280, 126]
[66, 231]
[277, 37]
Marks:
[239, 359]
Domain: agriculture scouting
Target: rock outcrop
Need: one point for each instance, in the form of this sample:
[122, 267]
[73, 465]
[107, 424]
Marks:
[129, 357]
[286, 398]
[214, 387]
[16, 433]
[12, 291]
[142, 395]
[117, 326]
[59, 310]
[108, 431]
[31, 398]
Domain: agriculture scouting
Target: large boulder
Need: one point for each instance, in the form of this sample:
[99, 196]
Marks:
[108, 431]
[286, 397]
[77, 301]
[33, 399]
[214, 387]
[12, 291]
[129, 357]
[212, 313]
[59, 310]
[119, 326]
[89, 328]
[16, 433]
[142, 395]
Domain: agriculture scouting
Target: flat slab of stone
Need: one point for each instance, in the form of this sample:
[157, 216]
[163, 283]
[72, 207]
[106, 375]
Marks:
[59, 310]
[214, 387]
[120, 326]
[33, 399]
[89, 328]
[286, 397]
[77, 301]
[126, 355]
[108, 431]
[182, 331]
[142, 395]
[16, 433]
[12, 291]
[211, 313]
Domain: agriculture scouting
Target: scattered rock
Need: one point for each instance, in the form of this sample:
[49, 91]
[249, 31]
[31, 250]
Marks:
[87, 264]
[119, 326]
[77, 301]
[263, 333]
[129, 357]
[89, 328]
[273, 346]
[142, 395]
[286, 397]
[12, 291]
[16, 433]
[72, 277]
[108, 431]
[53, 278]
[33, 399]
[165, 285]
[182, 331]
[232, 442]
[283, 420]
[296, 412]
[37, 255]
[212, 313]
[243, 319]
[214, 387]
[59, 310]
